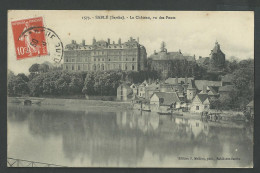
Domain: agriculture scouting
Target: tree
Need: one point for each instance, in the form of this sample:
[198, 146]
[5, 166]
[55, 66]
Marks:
[43, 68]
[23, 76]
[34, 68]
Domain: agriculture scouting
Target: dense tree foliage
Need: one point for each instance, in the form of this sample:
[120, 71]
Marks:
[17, 85]
[45, 81]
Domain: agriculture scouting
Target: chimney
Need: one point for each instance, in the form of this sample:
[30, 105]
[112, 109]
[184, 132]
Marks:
[204, 90]
[119, 41]
[180, 51]
[131, 38]
[83, 42]
[165, 50]
[138, 39]
[108, 40]
[176, 80]
[72, 41]
[94, 40]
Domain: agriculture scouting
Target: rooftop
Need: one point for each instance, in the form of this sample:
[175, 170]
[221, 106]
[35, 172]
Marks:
[200, 83]
[168, 98]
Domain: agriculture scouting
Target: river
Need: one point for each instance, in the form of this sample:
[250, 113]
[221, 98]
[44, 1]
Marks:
[125, 139]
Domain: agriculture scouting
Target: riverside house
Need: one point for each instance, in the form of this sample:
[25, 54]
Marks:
[200, 103]
[162, 101]
[142, 88]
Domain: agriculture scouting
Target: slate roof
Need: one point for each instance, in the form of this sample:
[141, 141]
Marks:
[212, 90]
[200, 83]
[168, 98]
[226, 88]
[202, 97]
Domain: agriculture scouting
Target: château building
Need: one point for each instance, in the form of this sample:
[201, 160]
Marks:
[103, 56]
[162, 61]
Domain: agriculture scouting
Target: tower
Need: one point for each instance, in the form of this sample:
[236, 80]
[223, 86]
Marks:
[191, 90]
[217, 58]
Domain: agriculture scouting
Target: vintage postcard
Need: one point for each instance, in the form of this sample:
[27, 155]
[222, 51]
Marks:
[164, 89]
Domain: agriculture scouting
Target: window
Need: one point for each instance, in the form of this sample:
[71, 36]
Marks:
[103, 67]
[197, 124]
[94, 59]
[102, 59]
[133, 59]
[67, 60]
[126, 67]
[67, 67]
[197, 108]
[98, 59]
[73, 60]
[133, 67]
[205, 107]
[78, 67]
[72, 67]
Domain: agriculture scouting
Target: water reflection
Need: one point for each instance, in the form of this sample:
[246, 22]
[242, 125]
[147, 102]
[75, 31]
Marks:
[128, 138]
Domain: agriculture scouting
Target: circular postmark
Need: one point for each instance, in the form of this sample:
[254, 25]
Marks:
[52, 41]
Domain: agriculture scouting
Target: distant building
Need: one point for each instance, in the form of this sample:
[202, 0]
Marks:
[217, 57]
[150, 89]
[103, 56]
[162, 61]
[124, 92]
[200, 103]
[215, 61]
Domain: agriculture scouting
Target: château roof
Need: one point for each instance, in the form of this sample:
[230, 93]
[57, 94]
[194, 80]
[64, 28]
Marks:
[102, 44]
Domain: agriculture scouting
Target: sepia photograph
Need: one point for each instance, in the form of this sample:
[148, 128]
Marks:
[131, 89]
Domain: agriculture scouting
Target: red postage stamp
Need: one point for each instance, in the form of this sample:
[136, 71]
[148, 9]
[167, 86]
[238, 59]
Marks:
[29, 38]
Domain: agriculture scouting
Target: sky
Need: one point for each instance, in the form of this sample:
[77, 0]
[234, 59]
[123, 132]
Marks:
[194, 33]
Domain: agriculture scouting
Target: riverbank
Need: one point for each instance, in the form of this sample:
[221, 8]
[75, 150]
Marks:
[108, 106]
[78, 104]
